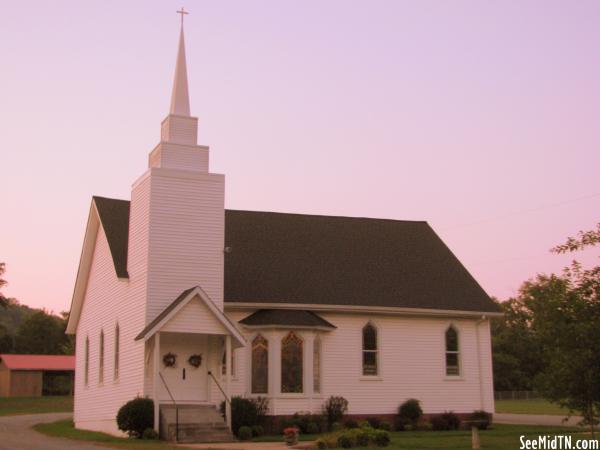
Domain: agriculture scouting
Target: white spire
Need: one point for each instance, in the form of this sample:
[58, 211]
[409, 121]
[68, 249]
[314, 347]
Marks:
[180, 99]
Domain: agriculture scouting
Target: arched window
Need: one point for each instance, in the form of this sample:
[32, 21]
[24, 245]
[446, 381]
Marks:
[101, 358]
[86, 373]
[317, 365]
[117, 349]
[291, 363]
[260, 365]
[452, 352]
[369, 350]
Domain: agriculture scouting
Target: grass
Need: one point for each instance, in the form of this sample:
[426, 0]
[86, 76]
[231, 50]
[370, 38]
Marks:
[500, 437]
[65, 429]
[12, 406]
[533, 406]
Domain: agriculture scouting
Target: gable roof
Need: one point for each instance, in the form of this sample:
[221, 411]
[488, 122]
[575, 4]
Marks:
[114, 216]
[287, 318]
[290, 259]
[39, 362]
[176, 305]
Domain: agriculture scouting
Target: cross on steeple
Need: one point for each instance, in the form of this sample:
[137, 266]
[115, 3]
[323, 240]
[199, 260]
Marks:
[182, 12]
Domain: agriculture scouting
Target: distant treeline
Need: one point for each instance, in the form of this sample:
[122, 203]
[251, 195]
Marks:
[32, 331]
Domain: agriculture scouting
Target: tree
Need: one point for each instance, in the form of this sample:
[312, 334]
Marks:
[3, 299]
[565, 312]
[515, 366]
[42, 333]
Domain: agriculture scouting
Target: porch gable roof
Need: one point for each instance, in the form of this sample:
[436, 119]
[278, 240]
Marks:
[178, 304]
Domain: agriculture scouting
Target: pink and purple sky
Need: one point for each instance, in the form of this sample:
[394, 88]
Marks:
[482, 118]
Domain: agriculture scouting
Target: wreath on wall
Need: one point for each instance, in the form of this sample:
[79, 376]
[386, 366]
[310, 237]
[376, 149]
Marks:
[195, 360]
[169, 359]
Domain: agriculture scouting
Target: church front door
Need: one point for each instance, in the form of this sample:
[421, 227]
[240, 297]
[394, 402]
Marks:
[187, 383]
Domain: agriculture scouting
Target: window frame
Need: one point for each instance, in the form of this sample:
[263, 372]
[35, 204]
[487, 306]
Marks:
[317, 363]
[117, 350]
[86, 373]
[456, 352]
[101, 358]
[268, 366]
[232, 370]
[289, 336]
[377, 374]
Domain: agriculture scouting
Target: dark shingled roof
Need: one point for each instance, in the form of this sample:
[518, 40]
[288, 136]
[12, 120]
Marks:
[289, 317]
[306, 259]
[114, 215]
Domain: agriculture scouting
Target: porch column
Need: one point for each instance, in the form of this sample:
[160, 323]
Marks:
[228, 379]
[156, 381]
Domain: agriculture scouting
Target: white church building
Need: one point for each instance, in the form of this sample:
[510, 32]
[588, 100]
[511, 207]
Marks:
[185, 302]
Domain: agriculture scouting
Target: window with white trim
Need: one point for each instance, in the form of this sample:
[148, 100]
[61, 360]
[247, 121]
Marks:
[223, 366]
[260, 365]
[370, 357]
[86, 373]
[452, 352]
[101, 358]
[317, 365]
[117, 350]
[291, 363]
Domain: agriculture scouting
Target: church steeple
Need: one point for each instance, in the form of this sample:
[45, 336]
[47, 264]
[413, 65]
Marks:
[180, 127]
[180, 100]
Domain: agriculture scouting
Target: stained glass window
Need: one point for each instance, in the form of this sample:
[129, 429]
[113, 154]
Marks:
[291, 363]
[317, 365]
[260, 365]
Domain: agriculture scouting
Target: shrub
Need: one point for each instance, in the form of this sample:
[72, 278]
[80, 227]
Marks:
[350, 424]
[257, 430]
[149, 433]
[307, 423]
[246, 412]
[481, 419]
[337, 426]
[244, 433]
[321, 444]
[410, 411]
[313, 428]
[362, 437]
[364, 424]
[135, 416]
[399, 424]
[382, 438]
[335, 408]
[445, 421]
[385, 426]
[346, 441]
[375, 422]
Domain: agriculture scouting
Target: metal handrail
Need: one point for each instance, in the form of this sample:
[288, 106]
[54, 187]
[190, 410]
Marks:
[176, 407]
[227, 399]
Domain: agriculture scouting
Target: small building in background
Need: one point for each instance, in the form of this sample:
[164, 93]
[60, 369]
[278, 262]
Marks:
[36, 375]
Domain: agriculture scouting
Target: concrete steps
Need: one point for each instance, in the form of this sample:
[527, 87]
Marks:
[197, 423]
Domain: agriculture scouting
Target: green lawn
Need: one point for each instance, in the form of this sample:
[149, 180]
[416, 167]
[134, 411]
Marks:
[12, 406]
[501, 437]
[536, 406]
[65, 429]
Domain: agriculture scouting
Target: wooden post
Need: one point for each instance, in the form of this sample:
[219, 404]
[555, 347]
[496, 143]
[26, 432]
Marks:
[228, 379]
[156, 381]
[475, 445]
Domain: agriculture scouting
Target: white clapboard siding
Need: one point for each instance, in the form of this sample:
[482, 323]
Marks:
[182, 157]
[105, 305]
[186, 237]
[411, 364]
[195, 316]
